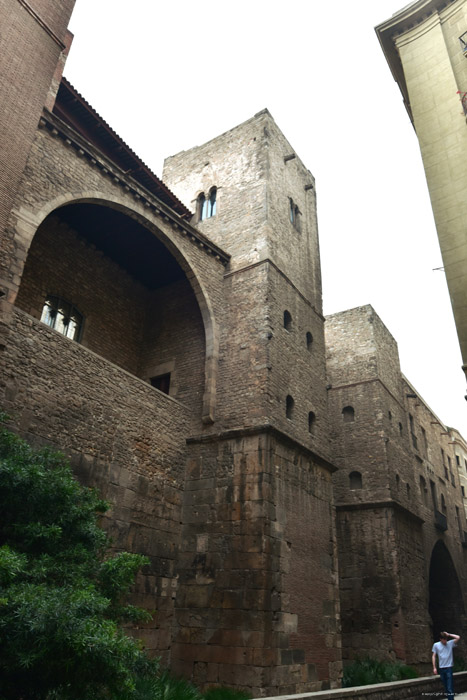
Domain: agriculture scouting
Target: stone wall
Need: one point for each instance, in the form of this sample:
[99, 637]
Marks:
[143, 331]
[34, 35]
[123, 436]
[393, 544]
[257, 606]
[415, 689]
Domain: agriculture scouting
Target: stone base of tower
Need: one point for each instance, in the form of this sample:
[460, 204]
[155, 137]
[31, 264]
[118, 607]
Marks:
[382, 592]
[257, 602]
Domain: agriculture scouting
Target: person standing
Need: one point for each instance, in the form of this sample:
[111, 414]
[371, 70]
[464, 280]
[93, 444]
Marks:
[444, 650]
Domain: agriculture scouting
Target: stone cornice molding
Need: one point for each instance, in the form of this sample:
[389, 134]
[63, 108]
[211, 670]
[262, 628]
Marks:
[389, 503]
[269, 429]
[84, 149]
[268, 261]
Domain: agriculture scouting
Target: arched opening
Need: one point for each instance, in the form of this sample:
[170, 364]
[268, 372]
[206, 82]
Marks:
[309, 341]
[201, 207]
[287, 321]
[289, 407]
[311, 422]
[446, 605]
[212, 202]
[348, 414]
[355, 481]
[137, 306]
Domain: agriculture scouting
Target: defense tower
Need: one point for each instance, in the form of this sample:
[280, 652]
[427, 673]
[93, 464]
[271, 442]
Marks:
[260, 551]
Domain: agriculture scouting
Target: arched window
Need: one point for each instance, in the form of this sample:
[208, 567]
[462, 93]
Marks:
[202, 207]
[287, 321]
[212, 202]
[355, 481]
[309, 341]
[289, 406]
[348, 414]
[408, 490]
[311, 421]
[206, 208]
[398, 481]
[62, 316]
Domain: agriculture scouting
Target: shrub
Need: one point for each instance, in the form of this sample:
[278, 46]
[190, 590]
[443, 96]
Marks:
[225, 694]
[369, 671]
[61, 597]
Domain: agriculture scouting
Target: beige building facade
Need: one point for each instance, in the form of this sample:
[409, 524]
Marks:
[425, 45]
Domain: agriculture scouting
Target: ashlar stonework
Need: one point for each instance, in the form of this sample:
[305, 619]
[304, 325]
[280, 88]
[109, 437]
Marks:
[299, 502]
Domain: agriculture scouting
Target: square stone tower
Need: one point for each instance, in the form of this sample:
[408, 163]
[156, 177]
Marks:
[258, 574]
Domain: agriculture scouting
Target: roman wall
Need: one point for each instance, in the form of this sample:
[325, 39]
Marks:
[257, 604]
[93, 399]
[122, 436]
[396, 474]
[261, 485]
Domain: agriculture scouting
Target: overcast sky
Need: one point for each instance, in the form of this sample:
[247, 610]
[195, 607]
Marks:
[171, 75]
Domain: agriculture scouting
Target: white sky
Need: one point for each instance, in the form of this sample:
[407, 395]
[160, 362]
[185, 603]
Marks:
[171, 75]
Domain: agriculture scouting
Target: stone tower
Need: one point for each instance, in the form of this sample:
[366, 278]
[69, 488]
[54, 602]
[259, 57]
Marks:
[398, 502]
[258, 545]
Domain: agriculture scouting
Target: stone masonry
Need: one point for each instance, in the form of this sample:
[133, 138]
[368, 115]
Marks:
[299, 502]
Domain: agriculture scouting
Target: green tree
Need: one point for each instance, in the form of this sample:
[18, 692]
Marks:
[61, 596]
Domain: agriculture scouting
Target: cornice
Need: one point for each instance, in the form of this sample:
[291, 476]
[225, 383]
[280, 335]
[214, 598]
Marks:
[369, 505]
[83, 149]
[268, 429]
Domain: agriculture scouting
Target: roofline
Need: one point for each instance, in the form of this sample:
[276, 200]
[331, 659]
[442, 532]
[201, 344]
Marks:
[402, 21]
[181, 209]
[59, 128]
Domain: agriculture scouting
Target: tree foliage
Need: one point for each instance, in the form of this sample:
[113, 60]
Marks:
[61, 596]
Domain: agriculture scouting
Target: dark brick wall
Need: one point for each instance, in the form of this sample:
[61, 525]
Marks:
[29, 56]
[122, 436]
[137, 329]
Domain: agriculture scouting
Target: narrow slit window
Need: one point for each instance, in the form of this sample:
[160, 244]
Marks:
[311, 421]
[294, 214]
[287, 321]
[309, 341]
[289, 407]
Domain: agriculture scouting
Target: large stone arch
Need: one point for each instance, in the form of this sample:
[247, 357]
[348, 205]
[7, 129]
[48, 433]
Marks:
[446, 605]
[27, 221]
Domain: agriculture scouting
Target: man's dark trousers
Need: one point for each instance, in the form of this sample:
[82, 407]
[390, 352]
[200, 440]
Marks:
[446, 677]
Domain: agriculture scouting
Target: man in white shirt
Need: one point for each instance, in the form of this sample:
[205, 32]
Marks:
[444, 649]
